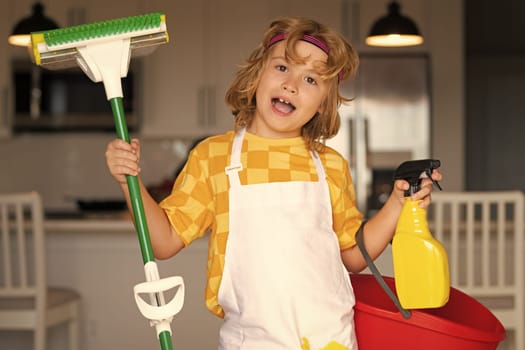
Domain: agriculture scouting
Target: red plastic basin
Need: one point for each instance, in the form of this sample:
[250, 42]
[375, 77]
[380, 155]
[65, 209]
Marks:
[462, 324]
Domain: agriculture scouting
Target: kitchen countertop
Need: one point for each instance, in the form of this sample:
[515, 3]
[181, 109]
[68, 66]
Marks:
[108, 222]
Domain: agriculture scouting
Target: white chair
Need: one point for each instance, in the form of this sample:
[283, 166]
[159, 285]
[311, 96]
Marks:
[26, 302]
[484, 236]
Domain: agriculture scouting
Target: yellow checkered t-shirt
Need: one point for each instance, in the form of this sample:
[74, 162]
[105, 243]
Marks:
[199, 199]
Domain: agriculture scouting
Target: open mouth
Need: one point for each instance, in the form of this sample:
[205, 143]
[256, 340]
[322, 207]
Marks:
[282, 106]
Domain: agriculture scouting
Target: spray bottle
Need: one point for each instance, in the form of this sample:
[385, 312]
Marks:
[420, 261]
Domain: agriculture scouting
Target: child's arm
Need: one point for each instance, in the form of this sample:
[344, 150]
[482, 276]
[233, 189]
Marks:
[122, 159]
[379, 230]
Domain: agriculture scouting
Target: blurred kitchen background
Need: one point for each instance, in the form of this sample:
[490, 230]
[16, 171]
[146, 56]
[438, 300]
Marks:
[451, 98]
[457, 97]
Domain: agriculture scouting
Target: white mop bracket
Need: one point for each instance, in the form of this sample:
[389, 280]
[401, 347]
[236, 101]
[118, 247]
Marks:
[106, 61]
[157, 311]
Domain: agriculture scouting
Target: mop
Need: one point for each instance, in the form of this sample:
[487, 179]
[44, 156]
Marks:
[103, 51]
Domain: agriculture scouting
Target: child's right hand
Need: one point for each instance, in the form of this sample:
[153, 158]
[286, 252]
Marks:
[122, 159]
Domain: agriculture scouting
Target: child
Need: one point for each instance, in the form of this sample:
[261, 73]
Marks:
[279, 203]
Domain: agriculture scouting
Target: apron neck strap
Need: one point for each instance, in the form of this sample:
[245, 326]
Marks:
[319, 166]
[235, 166]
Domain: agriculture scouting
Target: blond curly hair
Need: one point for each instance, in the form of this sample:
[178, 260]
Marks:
[342, 63]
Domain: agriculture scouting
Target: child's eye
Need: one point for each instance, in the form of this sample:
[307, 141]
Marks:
[310, 80]
[281, 68]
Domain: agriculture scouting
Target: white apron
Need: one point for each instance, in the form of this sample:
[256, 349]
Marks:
[283, 276]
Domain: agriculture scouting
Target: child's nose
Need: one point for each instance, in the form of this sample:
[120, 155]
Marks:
[290, 86]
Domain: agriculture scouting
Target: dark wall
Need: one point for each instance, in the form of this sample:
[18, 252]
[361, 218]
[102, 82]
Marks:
[495, 83]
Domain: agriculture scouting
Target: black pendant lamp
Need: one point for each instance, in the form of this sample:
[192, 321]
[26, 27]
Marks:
[36, 22]
[394, 30]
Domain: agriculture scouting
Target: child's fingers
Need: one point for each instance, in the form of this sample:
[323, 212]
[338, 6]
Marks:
[425, 193]
[436, 175]
[402, 185]
[122, 158]
[135, 146]
[124, 167]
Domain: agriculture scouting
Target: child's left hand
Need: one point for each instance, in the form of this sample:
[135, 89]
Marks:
[400, 186]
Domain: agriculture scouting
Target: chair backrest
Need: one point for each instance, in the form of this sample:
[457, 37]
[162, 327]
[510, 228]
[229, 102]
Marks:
[484, 237]
[22, 247]
[483, 234]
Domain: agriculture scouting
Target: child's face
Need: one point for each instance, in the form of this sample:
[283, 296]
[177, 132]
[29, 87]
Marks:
[289, 94]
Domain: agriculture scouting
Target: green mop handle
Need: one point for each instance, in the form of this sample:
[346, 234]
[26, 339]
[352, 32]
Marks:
[133, 185]
[136, 204]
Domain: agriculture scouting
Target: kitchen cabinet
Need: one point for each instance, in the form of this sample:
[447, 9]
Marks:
[185, 81]
[174, 74]
[235, 33]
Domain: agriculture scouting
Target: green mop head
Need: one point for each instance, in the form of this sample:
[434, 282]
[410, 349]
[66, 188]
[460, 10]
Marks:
[101, 49]
[57, 48]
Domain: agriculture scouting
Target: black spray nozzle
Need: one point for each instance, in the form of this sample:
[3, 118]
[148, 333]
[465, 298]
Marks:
[414, 170]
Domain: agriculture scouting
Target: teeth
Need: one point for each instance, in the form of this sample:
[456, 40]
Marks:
[284, 102]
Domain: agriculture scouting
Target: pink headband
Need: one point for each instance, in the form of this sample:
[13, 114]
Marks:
[308, 38]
